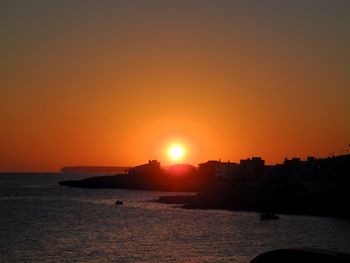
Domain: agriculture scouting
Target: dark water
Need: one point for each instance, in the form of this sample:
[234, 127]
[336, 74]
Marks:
[43, 222]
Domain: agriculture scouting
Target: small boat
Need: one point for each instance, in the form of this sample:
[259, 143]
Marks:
[268, 216]
[119, 202]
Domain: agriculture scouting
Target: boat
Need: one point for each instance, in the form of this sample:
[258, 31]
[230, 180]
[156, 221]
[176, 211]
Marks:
[119, 202]
[268, 216]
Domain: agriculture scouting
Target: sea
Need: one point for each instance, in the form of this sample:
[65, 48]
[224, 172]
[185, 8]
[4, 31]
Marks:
[41, 221]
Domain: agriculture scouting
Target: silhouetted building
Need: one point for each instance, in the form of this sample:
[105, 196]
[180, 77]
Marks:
[252, 163]
[151, 168]
[293, 168]
[225, 170]
[207, 170]
[254, 166]
[217, 169]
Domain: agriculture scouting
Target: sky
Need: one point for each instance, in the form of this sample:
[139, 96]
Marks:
[117, 82]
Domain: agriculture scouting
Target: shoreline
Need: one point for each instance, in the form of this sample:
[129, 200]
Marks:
[258, 198]
[194, 202]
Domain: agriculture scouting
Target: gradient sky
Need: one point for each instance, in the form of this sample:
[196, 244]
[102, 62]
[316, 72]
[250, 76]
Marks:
[115, 82]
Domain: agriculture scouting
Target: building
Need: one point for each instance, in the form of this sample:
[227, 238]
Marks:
[217, 169]
[225, 170]
[207, 170]
[254, 166]
[152, 168]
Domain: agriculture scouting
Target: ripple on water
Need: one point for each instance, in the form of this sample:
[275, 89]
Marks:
[83, 225]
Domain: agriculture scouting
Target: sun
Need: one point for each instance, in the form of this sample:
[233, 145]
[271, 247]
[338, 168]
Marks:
[176, 152]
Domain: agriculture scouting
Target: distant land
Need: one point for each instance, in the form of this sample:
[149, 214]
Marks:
[95, 169]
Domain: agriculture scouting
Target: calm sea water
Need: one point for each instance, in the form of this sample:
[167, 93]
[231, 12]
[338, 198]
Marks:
[41, 221]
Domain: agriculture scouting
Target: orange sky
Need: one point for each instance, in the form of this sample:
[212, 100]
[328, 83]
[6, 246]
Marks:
[114, 83]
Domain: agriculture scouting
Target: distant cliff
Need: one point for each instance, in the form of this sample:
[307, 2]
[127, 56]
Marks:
[95, 169]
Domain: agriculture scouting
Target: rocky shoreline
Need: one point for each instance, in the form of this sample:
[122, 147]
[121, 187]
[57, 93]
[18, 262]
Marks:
[124, 181]
[308, 204]
[229, 196]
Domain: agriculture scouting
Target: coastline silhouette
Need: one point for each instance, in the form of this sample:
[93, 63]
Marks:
[315, 186]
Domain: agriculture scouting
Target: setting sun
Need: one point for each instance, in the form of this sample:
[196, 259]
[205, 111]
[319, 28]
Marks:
[176, 152]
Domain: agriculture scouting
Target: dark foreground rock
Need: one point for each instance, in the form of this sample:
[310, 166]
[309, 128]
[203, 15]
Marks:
[301, 255]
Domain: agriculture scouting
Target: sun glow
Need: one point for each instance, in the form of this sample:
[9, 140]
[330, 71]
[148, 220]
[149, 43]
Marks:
[176, 152]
